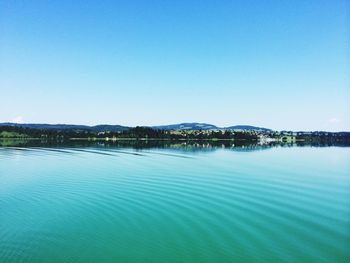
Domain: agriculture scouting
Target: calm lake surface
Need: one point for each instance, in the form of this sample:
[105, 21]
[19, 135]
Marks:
[103, 203]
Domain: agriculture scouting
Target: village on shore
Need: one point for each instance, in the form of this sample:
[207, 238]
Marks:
[150, 133]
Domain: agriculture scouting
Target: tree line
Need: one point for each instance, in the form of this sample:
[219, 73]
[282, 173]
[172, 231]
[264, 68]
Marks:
[135, 133]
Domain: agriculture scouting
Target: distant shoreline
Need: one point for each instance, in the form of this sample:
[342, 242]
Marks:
[151, 134]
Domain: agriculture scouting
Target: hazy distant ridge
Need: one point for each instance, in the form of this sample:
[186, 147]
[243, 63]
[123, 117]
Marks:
[96, 128]
[206, 126]
[116, 128]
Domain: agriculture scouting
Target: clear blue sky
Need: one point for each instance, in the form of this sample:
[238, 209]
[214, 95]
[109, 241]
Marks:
[278, 64]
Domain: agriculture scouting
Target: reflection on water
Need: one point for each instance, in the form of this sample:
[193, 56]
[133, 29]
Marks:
[194, 145]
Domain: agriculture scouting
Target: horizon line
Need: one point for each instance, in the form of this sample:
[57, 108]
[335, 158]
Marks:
[152, 126]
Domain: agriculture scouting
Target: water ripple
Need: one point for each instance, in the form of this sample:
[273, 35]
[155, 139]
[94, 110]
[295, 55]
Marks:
[200, 209]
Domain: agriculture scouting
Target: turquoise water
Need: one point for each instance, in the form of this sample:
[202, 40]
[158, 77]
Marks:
[108, 204]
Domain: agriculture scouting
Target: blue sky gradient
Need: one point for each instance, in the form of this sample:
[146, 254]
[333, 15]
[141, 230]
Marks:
[277, 64]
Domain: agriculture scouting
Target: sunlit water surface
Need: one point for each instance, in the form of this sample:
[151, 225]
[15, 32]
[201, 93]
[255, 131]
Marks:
[170, 205]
